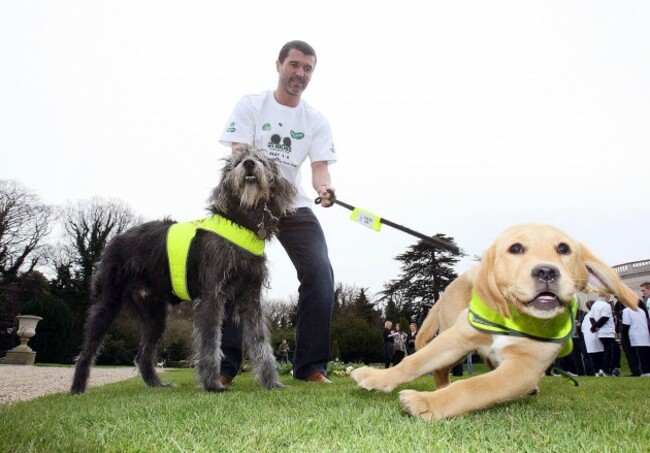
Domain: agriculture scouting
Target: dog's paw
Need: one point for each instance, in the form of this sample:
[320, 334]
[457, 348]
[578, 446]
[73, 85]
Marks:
[417, 404]
[360, 374]
[275, 385]
[214, 387]
[372, 379]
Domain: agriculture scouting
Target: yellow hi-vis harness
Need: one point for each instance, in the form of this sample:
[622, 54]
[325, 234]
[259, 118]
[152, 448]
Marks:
[557, 330]
[181, 235]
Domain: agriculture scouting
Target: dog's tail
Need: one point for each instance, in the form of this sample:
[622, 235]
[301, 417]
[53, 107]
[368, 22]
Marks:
[429, 328]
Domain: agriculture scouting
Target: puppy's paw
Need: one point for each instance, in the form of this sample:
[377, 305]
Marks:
[372, 379]
[417, 404]
[214, 386]
[359, 374]
[275, 385]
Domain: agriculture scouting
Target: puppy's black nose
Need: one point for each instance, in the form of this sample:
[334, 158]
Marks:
[545, 274]
[249, 164]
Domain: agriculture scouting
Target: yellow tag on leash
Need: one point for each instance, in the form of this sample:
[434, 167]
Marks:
[367, 219]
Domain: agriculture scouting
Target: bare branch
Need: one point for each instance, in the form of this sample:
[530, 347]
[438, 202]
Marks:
[24, 222]
[89, 225]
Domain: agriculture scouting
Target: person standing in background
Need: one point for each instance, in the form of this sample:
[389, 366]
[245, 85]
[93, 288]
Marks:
[602, 324]
[593, 345]
[399, 337]
[636, 336]
[645, 295]
[389, 348]
[410, 338]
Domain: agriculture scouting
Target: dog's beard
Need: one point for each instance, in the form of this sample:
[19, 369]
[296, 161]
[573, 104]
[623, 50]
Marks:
[250, 196]
[251, 186]
[248, 181]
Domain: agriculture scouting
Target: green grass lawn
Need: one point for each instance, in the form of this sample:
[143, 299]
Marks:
[603, 414]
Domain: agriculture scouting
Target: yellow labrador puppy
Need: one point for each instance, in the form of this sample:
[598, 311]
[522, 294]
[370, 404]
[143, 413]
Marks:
[516, 308]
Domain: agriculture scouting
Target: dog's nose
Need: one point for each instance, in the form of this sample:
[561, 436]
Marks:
[545, 274]
[249, 164]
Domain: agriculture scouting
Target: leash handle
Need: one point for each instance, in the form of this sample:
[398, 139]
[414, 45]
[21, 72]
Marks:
[430, 240]
[318, 200]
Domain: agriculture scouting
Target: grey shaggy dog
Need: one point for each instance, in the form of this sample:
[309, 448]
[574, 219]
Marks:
[134, 273]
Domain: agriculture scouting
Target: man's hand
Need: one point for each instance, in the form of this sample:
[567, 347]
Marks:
[326, 193]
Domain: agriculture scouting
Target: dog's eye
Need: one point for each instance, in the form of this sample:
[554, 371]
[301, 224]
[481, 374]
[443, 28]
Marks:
[563, 249]
[516, 249]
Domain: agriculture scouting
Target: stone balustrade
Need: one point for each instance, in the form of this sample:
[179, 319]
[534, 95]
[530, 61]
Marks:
[634, 273]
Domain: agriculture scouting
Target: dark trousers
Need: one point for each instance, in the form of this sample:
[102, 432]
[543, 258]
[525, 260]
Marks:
[630, 355]
[302, 237]
[638, 358]
[616, 355]
[585, 365]
[571, 362]
[606, 358]
[643, 353]
[389, 351]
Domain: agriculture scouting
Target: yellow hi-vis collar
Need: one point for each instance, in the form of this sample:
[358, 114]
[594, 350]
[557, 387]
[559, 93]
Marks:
[179, 239]
[558, 330]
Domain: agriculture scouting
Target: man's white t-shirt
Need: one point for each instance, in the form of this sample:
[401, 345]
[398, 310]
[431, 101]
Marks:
[639, 335]
[599, 309]
[592, 342]
[288, 134]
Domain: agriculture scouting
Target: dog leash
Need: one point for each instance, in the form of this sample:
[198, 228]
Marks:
[373, 221]
[566, 376]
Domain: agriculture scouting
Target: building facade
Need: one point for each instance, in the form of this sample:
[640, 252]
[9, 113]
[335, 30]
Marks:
[634, 273]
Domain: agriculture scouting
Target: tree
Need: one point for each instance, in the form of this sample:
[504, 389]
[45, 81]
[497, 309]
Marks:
[24, 222]
[391, 312]
[88, 226]
[355, 340]
[363, 308]
[52, 341]
[356, 333]
[15, 299]
[426, 272]
[280, 314]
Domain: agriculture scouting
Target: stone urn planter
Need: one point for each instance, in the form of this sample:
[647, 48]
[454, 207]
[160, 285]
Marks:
[23, 354]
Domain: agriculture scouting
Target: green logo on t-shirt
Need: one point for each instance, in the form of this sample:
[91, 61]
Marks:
[231, 127]
[297, 135]
[266, 127]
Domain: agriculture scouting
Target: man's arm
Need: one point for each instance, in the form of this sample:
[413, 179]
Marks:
[595, 325]
[321, 180]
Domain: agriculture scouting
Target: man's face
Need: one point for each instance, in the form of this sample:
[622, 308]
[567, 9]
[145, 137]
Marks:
[645, 292]
[295, 72]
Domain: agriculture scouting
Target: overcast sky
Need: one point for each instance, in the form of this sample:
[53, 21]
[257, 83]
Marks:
[455, 117]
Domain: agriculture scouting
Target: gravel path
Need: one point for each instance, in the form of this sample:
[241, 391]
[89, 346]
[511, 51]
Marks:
[25, 382]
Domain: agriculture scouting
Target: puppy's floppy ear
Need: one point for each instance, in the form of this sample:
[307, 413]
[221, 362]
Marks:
[485, 283]
[602, 278]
